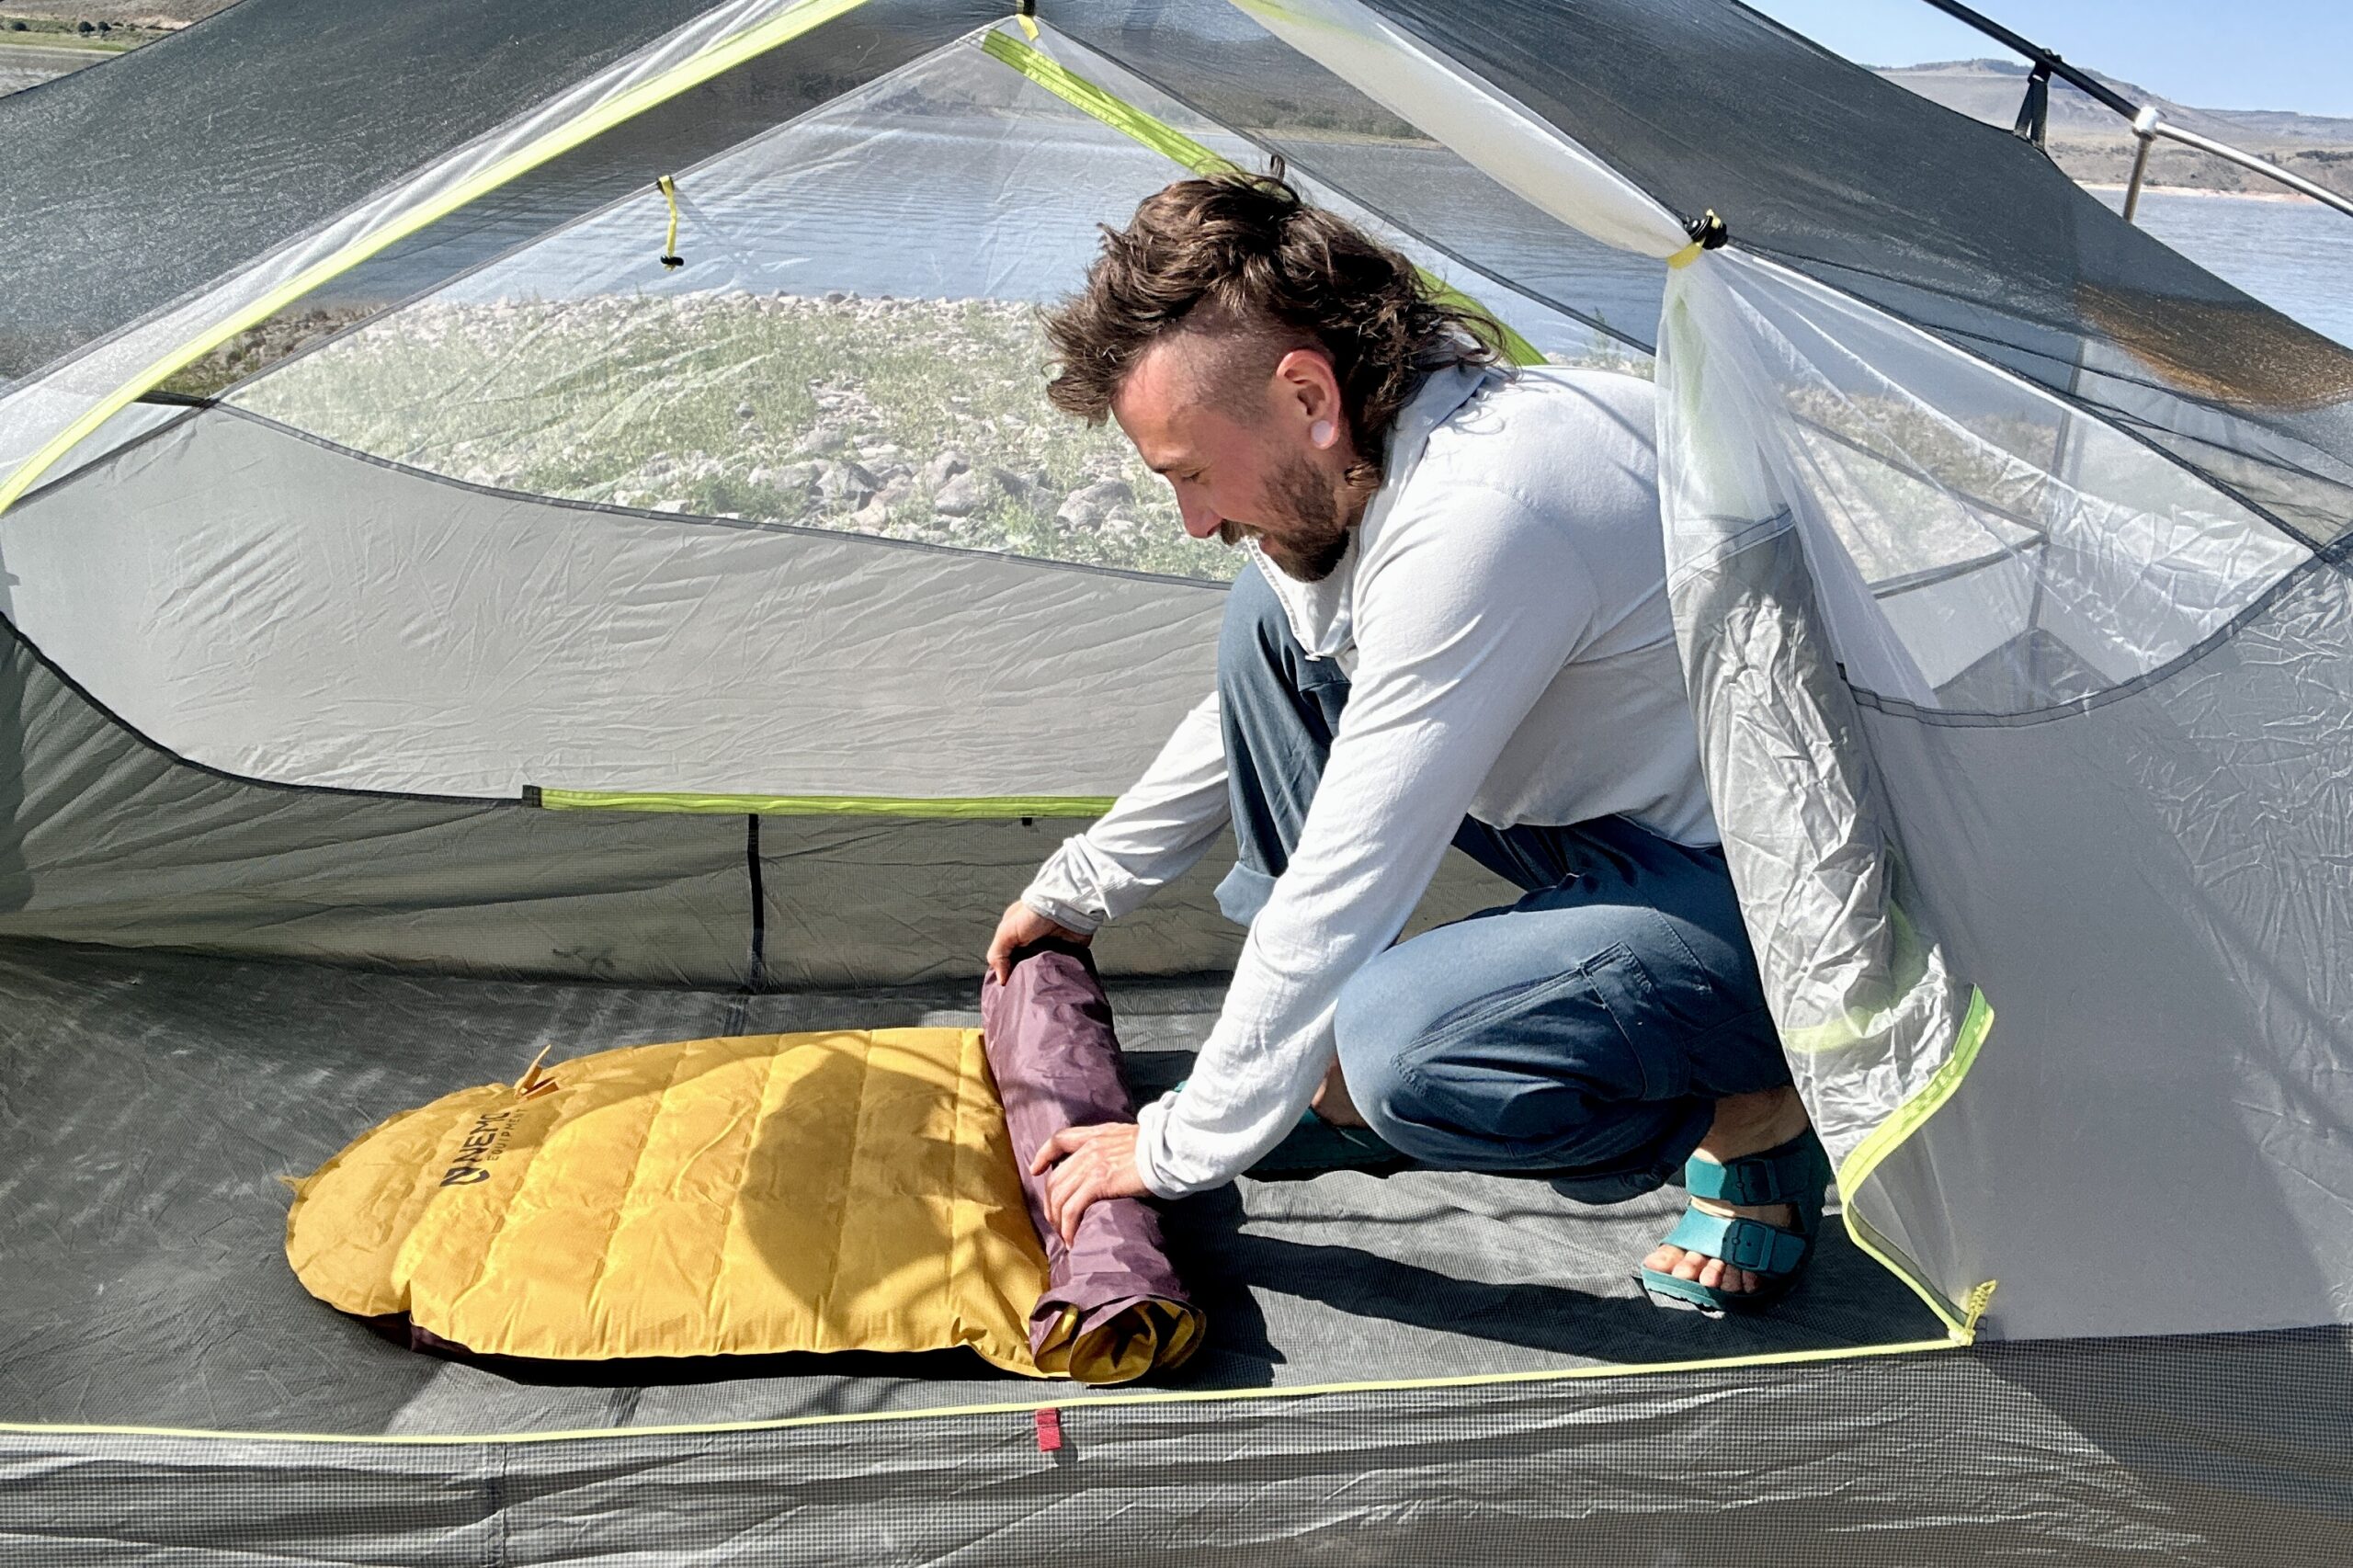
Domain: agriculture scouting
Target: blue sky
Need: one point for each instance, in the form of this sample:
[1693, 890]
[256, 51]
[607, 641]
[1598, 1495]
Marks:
[2290, 54]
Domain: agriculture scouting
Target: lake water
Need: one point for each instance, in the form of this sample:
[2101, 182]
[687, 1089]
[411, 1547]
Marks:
[2296, 256]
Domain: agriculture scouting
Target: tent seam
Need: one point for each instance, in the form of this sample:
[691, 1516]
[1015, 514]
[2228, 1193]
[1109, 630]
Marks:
[2331, 558]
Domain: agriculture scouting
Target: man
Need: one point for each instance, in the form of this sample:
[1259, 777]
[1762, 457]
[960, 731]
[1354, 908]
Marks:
[1453, 628]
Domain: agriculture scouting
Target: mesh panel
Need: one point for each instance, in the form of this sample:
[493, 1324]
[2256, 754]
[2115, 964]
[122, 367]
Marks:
[2009, 553]
[298, 111]
[851, 343]
[36, 415]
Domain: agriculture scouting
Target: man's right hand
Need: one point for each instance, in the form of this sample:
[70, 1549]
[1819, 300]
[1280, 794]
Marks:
[1021, 926]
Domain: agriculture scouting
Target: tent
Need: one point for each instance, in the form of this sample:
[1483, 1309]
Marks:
[533, 526]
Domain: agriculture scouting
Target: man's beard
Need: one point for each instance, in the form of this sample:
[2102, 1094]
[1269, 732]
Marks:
[1314, 526]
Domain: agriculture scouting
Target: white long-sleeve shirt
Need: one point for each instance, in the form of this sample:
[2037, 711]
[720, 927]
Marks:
[1502, 616]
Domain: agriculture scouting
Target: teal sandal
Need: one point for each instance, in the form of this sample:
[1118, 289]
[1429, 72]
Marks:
[1795, 1173]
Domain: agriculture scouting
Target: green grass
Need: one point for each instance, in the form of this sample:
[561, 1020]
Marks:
[50, 32]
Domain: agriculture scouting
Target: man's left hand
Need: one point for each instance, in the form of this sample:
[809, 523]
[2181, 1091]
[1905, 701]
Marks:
[1087, 1164]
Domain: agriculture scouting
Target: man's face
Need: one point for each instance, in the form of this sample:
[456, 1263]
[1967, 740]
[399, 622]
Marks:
[1264, 478]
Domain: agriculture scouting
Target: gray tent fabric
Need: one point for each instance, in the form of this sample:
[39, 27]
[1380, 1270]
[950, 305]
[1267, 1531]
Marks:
[2116, 1454]
[116, 840]
[2235, 770]
[604, 650]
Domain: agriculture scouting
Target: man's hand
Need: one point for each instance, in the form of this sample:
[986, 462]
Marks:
[1086, 1163]
[1019, 926]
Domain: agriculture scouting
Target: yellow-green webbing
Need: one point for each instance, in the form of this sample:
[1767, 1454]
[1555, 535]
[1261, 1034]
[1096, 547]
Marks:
[1178, 148]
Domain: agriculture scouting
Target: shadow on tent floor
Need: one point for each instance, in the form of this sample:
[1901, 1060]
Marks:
[149, 1102]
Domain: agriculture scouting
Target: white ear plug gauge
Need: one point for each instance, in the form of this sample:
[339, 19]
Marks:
[1320, 432]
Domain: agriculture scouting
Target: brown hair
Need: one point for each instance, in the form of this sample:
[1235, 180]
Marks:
[1243, 249]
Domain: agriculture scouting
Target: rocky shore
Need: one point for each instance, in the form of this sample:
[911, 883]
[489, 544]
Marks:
[914, 419]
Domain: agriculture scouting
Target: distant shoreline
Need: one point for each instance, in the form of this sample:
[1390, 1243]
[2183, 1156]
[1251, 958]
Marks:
[2294, 196]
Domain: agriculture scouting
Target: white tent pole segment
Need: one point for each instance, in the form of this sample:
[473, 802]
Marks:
[1498, 137]
[53, 412]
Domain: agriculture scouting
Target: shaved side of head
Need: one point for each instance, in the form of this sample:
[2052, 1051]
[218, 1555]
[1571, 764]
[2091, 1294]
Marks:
[1229, 357]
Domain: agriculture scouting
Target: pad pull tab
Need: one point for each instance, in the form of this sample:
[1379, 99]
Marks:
[533, 1082]
[671, 259]
[1049, 1430]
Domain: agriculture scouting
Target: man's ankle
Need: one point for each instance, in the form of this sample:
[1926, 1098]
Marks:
[1752, 1123]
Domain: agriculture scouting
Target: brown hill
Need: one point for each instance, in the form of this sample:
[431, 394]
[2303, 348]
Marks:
[2095, 145]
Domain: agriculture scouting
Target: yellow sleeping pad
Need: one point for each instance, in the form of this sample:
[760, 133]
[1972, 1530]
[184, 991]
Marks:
[846, 1190]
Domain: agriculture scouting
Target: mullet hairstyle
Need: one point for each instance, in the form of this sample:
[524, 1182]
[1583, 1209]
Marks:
[1243, 249]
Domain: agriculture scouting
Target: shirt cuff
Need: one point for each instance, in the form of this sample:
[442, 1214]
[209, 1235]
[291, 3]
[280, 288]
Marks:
[1070, 887]
[1152, 1130]
[1068, 916]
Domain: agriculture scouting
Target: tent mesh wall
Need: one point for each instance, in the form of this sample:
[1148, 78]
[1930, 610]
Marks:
[344, 101]
[861, 282]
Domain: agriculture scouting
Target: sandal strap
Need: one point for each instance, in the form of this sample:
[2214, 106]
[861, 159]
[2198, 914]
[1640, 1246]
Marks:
[1742, 1243]
[1795, 1172]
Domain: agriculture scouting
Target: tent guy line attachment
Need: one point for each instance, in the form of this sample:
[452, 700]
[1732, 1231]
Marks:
[1707, 232]
[671, 259]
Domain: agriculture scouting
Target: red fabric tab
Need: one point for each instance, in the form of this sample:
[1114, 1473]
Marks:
[1049, 1430]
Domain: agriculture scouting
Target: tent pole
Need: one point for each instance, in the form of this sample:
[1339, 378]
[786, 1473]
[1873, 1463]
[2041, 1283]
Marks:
[2144, 126]
[2147, 123]
[2048, 60]
[2229, 153]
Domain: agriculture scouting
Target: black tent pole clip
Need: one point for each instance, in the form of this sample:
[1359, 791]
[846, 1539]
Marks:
[1707, 232]
[671, 259]
[2034, 113]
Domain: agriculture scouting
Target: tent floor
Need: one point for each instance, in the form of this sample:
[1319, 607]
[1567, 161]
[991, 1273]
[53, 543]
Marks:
[149, 1102]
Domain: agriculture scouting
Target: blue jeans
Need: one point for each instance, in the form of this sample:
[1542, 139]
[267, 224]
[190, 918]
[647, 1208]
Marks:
[1583, 1033]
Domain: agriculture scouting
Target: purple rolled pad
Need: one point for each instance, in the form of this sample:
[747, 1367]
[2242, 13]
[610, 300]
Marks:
[1113, 1308]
